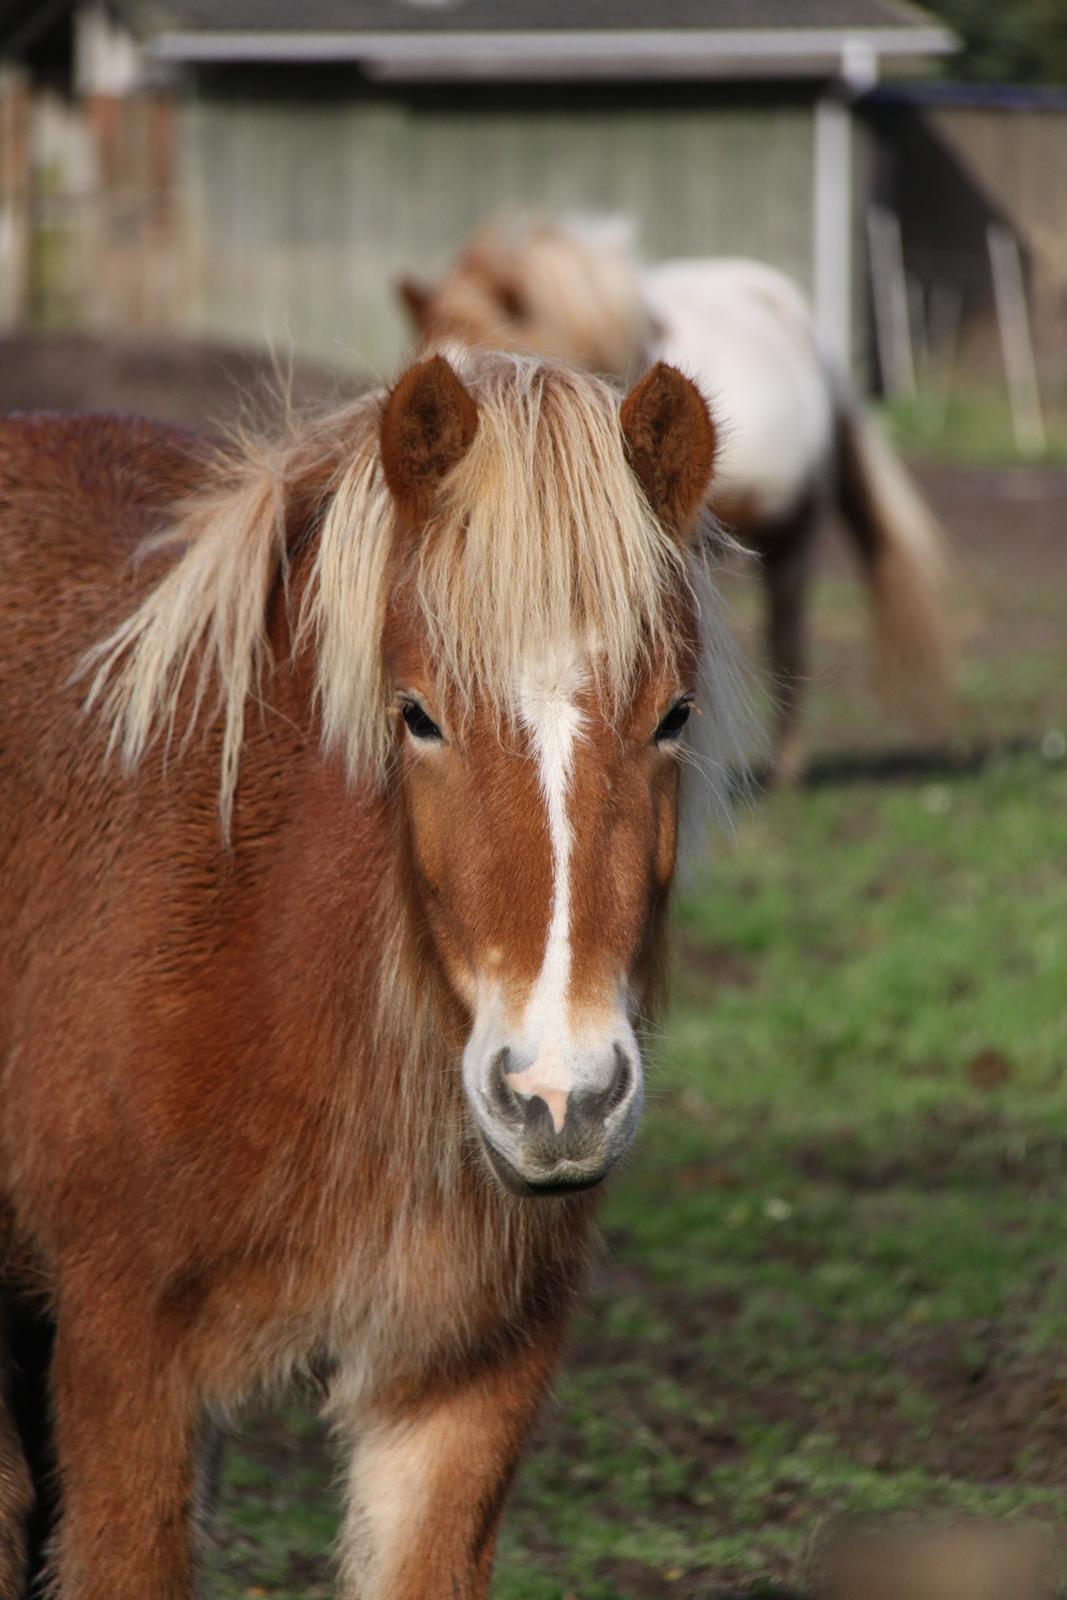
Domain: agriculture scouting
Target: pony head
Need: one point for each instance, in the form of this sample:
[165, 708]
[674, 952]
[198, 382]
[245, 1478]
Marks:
[500, 592]
[542, 651]
[569, 291]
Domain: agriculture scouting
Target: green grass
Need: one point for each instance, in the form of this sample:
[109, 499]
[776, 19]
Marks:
[834, 1274]
[851, 1184]
[972, 426]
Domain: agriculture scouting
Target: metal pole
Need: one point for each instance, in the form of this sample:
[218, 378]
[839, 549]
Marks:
[832, 265]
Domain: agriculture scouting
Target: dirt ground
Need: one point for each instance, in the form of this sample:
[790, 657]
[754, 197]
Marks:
[203, 387]
[1008, 527]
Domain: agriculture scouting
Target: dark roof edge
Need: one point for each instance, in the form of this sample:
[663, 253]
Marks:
[995, 96]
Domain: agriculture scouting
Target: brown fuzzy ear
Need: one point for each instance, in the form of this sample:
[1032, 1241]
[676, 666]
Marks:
[428, 424]
[416, 299]
[670, 438]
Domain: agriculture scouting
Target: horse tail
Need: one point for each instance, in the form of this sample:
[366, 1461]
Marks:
[28, 1505]
[903, 549]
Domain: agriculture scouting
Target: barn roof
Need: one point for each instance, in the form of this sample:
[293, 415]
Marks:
[509, 16]
[546, 39]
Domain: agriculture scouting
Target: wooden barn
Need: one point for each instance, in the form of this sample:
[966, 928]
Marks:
[959, 165]
[315, 148]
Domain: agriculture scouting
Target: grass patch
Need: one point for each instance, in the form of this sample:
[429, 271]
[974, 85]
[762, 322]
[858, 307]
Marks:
[971, 426]
[844, 1234]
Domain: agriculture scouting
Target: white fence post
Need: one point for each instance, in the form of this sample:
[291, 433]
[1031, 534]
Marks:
[1013, 320]
[890, 292]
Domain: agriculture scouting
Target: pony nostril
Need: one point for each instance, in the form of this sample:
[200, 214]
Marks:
[538, 1117]
[621, 1083]
[594, 1109]
[502, 1097]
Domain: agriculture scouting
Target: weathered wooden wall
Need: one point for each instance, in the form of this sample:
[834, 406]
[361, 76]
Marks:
[1019, 159]
[278, 209]
[299, 210]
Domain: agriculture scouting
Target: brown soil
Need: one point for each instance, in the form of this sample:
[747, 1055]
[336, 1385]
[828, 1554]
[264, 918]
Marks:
[201, 386]
[1006, 529]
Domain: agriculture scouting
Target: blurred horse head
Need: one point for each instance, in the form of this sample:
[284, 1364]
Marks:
[569, 291]
[793, 435]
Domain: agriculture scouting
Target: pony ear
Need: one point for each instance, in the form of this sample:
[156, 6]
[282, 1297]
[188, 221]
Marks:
[415, 298]
[670, 439]
[427, 427]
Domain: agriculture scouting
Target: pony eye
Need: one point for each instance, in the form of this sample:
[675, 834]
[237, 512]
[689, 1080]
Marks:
[419, 725]
[672, 724]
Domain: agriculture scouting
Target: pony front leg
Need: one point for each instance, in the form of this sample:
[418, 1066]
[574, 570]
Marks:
[428, 1482]
[126, 1440]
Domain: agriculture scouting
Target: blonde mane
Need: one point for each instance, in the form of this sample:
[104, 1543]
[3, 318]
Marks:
[542, 535]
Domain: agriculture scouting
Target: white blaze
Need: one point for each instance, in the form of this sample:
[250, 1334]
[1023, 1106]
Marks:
[552, 719]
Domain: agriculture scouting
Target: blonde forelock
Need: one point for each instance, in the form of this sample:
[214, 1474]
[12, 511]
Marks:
[541, 537]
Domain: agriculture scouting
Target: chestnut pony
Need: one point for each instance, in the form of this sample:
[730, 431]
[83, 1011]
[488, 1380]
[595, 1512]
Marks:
[794, 435]
[322, 998]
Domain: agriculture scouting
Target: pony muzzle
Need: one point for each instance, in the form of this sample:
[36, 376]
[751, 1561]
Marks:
[550, 1130]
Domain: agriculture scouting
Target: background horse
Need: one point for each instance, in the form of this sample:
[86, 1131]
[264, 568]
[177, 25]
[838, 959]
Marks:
[793, 435]
[321, 1007]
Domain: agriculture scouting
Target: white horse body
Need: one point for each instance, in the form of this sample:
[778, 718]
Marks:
[744, 333]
